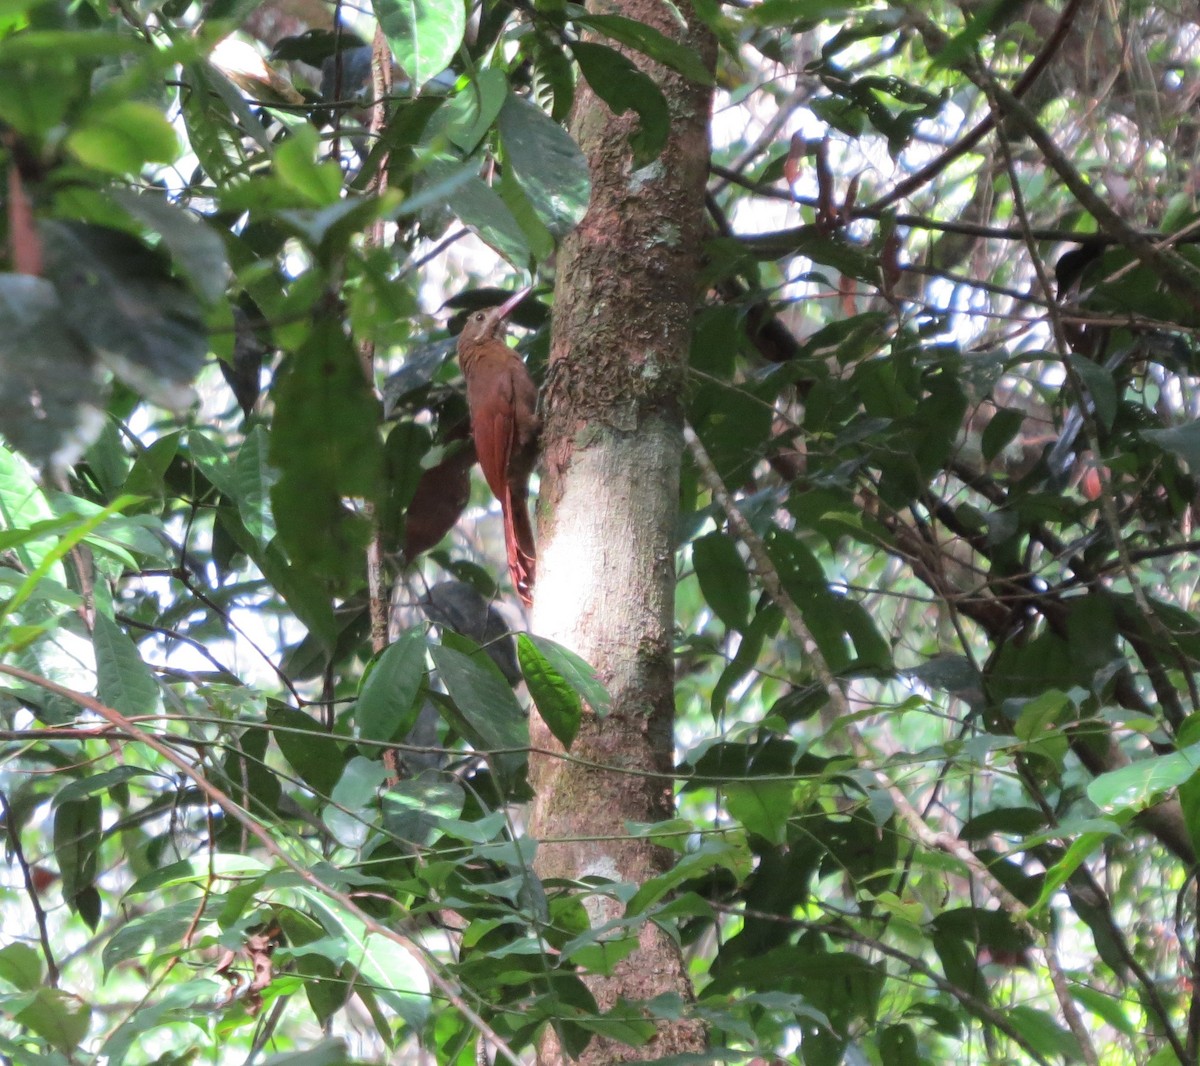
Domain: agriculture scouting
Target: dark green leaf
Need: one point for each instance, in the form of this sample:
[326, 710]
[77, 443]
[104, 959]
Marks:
[312, 752]
[649, 41]
[120, 299]
[195, 248]
[548, 163]
[623, 87]
[76, 844]
[327, 448]
[253, 479]
[1100, 386]
[1183, 441]
[484, 708]
[387, 702]
[413, 808]
[723, 578]
[1004, 425]
[123, 680]
[557, 702]
[44, 369]
[577, 673]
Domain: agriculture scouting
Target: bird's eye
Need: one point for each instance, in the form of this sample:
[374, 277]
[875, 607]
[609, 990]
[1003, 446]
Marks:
[479, 316]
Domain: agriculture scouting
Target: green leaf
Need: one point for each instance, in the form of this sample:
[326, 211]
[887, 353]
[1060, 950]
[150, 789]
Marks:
[1100, 386]
[1043, 1033]
[1003, 426]
[21, 966]
[575, 671]
[537, 236]
[23, 505]
[1058, 875]
[387, 703]
[723, 579]
[123, 680]
[353, 804]
[557, 702]
[1183, 441]
[466, 116]
[165, 925]
[961, 47]
[76, 844]
[59, 1018]
[297, 166]
[253, 479]
[47, 370]
[482, 209]
[328, 1052]
[120, 298]
[195, 247]
[312, 752]
[424, 35]
[763, 807]
[623, 87]
[1137, 785]
[326, 985]
[77, 531]
[326, 445]
[1115, 1010]
[650, 42]
[484, 708]
[99, 784]
[416, 808]
[123, 136]
[551, 168]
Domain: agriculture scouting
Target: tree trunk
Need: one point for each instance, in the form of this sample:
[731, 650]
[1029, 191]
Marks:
[626, 290]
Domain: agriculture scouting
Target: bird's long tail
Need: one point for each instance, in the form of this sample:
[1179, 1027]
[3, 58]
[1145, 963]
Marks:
[518, 540]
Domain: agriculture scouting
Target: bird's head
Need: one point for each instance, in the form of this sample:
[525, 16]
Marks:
[488, 322]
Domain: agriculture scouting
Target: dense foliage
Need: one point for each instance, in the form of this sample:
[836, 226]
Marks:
[937, 632]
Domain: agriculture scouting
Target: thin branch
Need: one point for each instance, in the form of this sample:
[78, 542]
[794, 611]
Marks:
[979, 1007]
[930, 838]
[267, 841]
[14, 843]
[931, 170]
[381, 80]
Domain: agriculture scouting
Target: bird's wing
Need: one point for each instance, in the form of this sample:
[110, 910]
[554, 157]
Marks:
[495, 427]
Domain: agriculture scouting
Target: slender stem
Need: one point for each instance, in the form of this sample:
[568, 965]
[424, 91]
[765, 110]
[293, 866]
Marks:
[14, 843]
[264, 838]
[928, 837]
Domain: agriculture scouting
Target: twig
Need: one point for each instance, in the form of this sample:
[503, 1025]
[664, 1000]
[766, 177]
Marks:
[381, 82]
[928, 837]
[14, 843]
[265, 839]
[979, 1007]
[931, 170]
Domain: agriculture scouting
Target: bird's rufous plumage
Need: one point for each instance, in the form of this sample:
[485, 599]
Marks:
[502, 399]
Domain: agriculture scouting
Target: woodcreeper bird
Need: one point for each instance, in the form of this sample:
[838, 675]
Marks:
[502, 399]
